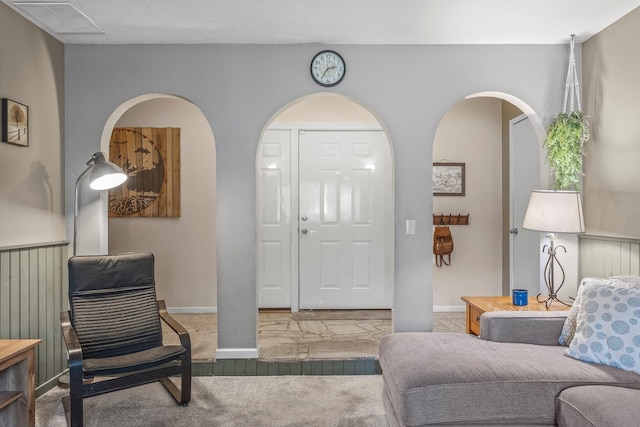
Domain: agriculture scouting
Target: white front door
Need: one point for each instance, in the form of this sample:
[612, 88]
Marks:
[524, 177]
[345, 220]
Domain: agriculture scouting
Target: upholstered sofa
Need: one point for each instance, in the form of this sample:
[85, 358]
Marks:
[515, 373]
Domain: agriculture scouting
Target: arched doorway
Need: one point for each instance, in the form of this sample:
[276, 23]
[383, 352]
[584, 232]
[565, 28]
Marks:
[482, 124]
[324, 163]
[324, 181]
[184, 246]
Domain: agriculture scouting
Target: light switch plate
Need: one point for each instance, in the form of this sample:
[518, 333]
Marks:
[411, 227]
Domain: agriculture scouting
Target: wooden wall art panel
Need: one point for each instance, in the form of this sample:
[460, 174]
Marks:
[151, 159]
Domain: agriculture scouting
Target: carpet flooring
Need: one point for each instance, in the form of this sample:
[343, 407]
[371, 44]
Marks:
[282, 401]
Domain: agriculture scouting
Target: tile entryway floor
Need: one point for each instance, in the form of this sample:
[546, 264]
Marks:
[310, 334]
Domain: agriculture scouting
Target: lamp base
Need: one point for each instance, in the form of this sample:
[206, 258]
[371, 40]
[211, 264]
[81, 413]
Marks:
[548, 301]
[549, 274]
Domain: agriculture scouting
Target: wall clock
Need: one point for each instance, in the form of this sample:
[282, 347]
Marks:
[328, 68]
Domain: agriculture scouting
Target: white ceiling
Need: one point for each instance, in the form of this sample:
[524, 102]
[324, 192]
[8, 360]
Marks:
[326, 21]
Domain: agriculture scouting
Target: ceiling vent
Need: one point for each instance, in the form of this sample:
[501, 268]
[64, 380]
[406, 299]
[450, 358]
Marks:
[61, 18]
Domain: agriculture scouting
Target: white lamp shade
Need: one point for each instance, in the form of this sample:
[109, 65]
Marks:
[105, 175]
[554, 212]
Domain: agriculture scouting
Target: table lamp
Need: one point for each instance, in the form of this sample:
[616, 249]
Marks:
[554, 212]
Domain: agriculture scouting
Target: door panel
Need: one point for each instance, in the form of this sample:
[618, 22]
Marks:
[274, 220]
[345, 207]
[525, 176]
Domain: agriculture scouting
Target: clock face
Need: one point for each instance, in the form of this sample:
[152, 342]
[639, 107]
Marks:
[328, 68]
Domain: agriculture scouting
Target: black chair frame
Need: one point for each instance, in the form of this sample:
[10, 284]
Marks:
[81, 386]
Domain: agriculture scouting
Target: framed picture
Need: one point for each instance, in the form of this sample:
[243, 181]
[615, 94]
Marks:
[448, 179]
[15, 123]
[151, 159]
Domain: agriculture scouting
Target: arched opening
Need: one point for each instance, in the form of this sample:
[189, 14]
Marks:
[183, 243]
[324, 180]
[499, 139]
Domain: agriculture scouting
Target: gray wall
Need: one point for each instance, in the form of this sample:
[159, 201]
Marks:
[611, 95]
[240, 87]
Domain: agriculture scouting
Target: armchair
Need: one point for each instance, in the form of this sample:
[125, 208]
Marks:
[113, 332]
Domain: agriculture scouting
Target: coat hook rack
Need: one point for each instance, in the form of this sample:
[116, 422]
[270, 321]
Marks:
[450, 219]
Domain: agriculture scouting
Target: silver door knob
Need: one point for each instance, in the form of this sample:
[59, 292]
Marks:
[513, 231]
[303, 217]
[304, 231]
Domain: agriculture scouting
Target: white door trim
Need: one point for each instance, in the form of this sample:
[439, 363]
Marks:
[521, 236]
[542, 183]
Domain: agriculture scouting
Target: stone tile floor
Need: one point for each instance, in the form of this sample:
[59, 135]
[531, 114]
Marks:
[310, 335]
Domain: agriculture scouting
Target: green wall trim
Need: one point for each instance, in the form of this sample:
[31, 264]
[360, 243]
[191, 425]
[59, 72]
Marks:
[35, 245]
[254, 367]
[33, 291]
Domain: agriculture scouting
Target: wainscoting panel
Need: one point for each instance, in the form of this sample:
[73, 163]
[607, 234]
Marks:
[33, 291]
[608, 256]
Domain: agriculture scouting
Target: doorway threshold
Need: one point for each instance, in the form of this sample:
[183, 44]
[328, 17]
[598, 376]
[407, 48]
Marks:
[309, 342]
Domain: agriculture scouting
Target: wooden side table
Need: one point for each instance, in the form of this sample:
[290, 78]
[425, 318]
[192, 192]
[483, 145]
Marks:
[18, 382]
[478, 305]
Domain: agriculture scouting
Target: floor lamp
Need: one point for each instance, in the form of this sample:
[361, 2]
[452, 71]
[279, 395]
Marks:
[103, 175]
[554, 212]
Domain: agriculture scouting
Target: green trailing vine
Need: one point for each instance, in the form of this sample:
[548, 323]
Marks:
[565, 140]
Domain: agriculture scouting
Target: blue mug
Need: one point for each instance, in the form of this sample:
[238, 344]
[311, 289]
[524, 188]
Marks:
[520, 297]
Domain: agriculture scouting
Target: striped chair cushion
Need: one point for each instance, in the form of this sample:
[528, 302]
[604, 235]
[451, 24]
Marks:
[105, 326]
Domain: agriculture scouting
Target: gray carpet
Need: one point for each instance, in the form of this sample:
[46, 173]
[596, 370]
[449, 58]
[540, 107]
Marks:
[282, 401]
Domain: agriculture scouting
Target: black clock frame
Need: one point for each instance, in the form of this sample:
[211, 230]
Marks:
[328, 84]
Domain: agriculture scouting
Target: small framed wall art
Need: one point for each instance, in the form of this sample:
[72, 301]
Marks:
[448, 179]
[15, 123]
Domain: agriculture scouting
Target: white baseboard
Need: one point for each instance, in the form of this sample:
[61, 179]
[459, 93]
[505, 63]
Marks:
[448, 308]
[192, 310]
[237, 353]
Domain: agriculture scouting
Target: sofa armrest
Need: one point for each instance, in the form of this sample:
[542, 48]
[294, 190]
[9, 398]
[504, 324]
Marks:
[530, 327]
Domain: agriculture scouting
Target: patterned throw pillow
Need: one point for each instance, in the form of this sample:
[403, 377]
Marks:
[569, 327]
[608, 327]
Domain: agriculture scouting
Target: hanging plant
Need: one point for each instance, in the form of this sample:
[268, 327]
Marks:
[567, 134]
[565, 140]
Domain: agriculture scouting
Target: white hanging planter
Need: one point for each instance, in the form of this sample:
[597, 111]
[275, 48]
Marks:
[567, 134]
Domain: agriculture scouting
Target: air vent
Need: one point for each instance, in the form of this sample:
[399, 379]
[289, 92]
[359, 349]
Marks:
[60, 18]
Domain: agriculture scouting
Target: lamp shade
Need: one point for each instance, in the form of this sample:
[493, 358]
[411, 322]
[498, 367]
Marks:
[554, 212]
[105, 175]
